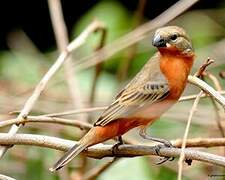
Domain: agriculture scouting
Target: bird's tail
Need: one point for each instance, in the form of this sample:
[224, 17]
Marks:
[68, 156]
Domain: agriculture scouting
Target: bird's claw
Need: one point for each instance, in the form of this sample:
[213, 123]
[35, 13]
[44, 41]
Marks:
[115, 146]
[166, 158]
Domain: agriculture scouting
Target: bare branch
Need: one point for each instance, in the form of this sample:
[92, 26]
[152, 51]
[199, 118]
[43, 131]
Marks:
[42, 84]
[77, 111]
[182, 155]
[4, 177]
[64, 121]
[200, 142]
[217, 109]
[199, 73]
[208, 89]
[43, 119]
[215, 81]
[98, 67]
[62, 41]
[192, 97]
[100, 151]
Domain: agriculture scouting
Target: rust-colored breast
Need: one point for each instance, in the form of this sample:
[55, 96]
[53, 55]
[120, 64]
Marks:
[176, 69]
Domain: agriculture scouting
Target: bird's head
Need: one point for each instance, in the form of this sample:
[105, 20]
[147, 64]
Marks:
[172, 39]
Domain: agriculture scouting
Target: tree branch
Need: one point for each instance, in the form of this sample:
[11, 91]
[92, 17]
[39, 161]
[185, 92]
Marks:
[62, 41]
[192, 97]
[217, 109]
[199, 73]
[100, 151]
[43, 119]
[200, 142]
[76, 111]
[4, 177]
[56, 120]
[182, 155]
[208, 89]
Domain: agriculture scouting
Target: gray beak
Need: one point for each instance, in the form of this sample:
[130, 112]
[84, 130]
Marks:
[158, 41]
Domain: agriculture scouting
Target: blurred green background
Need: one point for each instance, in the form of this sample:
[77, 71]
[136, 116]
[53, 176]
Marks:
[26, 56]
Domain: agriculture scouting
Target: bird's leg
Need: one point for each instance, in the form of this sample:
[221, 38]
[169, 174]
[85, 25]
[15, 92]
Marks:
[165, 142]
[115, 146]
[144, 135]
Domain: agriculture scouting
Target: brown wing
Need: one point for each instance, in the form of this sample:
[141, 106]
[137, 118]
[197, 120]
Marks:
[146, 88]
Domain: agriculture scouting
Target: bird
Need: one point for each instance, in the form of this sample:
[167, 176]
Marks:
[154, 89]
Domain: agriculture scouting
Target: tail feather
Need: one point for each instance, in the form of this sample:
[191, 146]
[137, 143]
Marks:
[68, 156]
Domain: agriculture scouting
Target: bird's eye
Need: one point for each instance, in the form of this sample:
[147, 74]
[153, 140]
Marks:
[173, 37]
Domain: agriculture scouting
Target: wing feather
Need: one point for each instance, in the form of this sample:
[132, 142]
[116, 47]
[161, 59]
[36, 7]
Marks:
[143, 89]
[128, 102]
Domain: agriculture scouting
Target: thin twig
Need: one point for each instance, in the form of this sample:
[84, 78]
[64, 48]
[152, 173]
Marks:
[200, 142]
[4, 177]
[208, 89]
[77, 111]
[192, 97]
[182, 155]
[69, 122]
[201, 70]
[199, 73]
[44, 81]
[44, 119]
[217, 109]
[62, 41]
[218, 118]
[98, 67]
[99, 151]
[215, 81]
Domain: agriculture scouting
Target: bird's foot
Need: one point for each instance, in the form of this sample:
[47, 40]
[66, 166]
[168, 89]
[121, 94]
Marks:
[115, 146]
[164, 143]
[166, 158]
